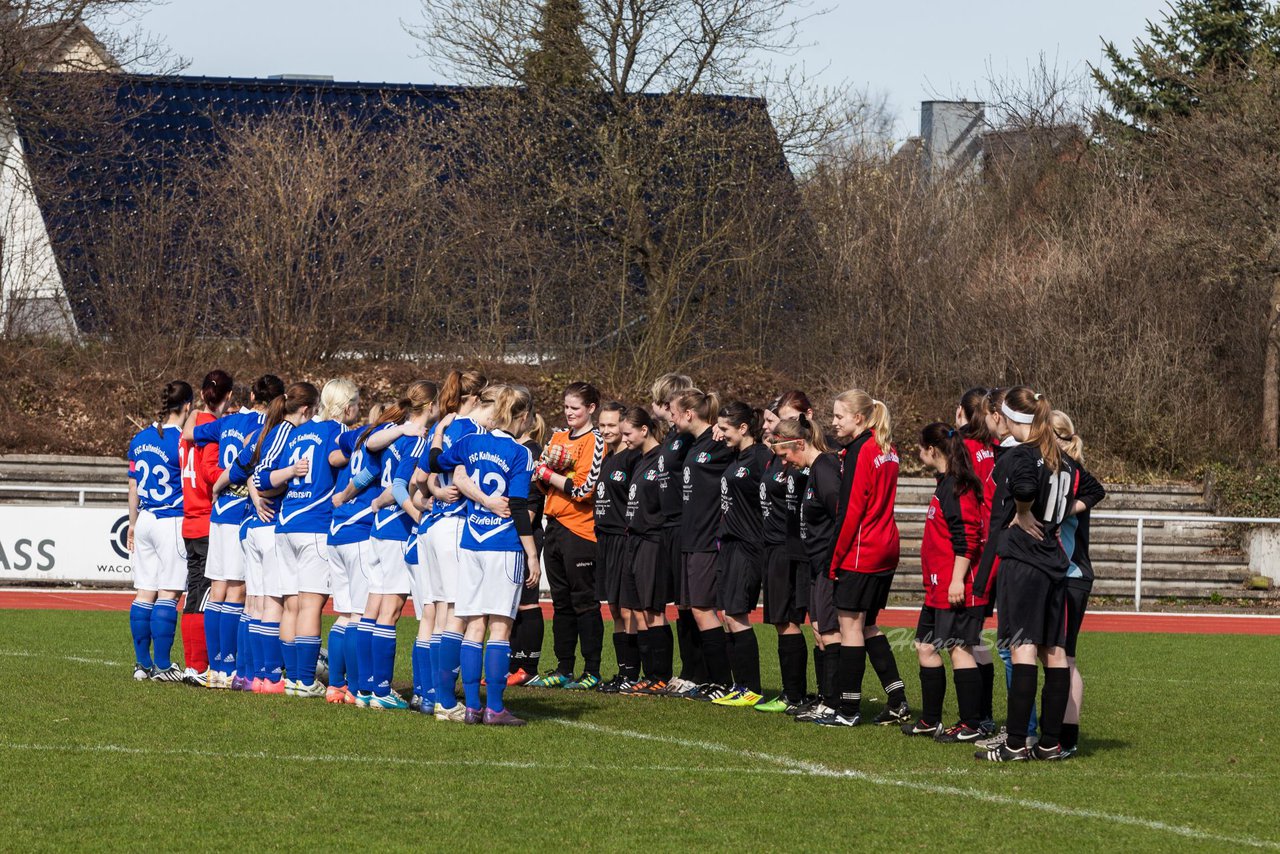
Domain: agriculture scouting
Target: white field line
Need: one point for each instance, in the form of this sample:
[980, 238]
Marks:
[77, 659]
[815, 769]
[355, 758]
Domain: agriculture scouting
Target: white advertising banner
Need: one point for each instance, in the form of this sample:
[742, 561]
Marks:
[64, 544]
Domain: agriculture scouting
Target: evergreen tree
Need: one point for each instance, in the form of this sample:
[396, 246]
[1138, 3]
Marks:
[1194, 39]
[560, 60]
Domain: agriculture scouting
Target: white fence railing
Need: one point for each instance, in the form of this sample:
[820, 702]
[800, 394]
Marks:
[81, 491]
[1140, 520]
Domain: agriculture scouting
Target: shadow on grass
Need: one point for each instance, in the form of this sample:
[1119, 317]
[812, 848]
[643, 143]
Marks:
[1090, 746]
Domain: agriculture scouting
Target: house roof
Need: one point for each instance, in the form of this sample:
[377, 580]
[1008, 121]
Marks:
[80, 174]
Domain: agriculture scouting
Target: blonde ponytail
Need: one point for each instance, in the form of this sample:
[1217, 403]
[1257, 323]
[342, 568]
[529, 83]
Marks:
[874, 413]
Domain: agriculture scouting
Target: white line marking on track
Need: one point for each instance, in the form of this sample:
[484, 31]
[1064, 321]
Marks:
[816, 769]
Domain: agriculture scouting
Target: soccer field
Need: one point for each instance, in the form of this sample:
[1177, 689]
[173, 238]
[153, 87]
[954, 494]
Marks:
[1177, 746]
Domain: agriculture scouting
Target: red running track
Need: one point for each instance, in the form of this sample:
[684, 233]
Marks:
[1106, 621]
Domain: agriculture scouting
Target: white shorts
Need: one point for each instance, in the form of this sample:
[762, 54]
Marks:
[226, 556]
[424, 581]
[349, 566]
[489, 584]
[159, 553]
[415, 567]
[259, 560]
[440, 548]
[307, 556]
[390, 574]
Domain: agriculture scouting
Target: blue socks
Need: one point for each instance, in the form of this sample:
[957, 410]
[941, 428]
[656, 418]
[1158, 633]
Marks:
[228, 629]
[421, 665]
[448, 656]
[469, 661]
[337, 656]
[384, 658]
[272, 651]
[429, 675]
[140, 629]
[289, 651]
[213, 634]
[164, 625]
[364, 652]
[307, 654]
[497, 660]
[258, 643]
[354, 674]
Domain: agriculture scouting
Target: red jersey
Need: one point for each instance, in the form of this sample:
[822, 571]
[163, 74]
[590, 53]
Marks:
[200, 471]
[983, 456]
[955, 526]
[867, 538]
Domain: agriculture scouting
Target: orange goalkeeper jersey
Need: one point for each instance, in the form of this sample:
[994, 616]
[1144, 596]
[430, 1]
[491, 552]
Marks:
[576, 510]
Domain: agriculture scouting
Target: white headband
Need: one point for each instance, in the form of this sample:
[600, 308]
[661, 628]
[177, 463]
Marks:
[1015, 416]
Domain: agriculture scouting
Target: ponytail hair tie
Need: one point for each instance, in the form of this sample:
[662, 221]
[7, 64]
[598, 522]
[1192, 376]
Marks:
[951, 433]
[1038, 395]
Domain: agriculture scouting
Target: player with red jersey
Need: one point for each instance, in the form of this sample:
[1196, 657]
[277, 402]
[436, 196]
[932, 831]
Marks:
[952, 616]
[866, 553]
[200, 470]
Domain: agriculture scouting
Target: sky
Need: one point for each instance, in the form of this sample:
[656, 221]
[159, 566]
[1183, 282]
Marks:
[904, 50]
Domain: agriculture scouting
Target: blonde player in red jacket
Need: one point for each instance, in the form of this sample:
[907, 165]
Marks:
[865, 556]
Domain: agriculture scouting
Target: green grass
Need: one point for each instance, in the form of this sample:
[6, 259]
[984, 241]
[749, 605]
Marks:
[1178, 730]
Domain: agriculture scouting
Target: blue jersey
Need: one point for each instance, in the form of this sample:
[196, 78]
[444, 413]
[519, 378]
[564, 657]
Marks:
[1067, 536]
[307, 507]
[352, 521]
[499, 465]
[231, 433]
[153, 463]
[457, 429]
[392, 523]
[240, 473]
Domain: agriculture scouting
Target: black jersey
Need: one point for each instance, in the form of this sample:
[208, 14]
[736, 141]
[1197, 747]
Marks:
[741, 490]
[818, 510]
[1051, 494]
[774, 500]
[537, 498]
[700, 489]
[670, 465]
[644, 497]
[611, 492]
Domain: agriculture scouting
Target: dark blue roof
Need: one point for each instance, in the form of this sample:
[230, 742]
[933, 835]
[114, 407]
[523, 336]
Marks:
[83, 172]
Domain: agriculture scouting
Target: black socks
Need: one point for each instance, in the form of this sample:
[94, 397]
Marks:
[744, 658]
[1053, 704]
[933, 689]
[526, 640]
[591, 637]
[692, 666]
[715, 654]
[881, 655]
[852, 666]
[793, 658]
[987, 673]
[829, 687]
[1022, 696]
[968, 695]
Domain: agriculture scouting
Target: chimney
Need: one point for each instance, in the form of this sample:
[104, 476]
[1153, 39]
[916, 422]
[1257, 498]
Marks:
[951, 132]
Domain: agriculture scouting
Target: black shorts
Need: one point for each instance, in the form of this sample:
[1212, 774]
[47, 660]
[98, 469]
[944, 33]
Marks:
[645, 583]
[863, 592]
[611, 553]
[1032, 606]
[699, 580]
[822, 605]
[197, 584]
[672, 561]
[530, 595]
[1077, 601]
[786, 586]
[741, 571]
[945, 628]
